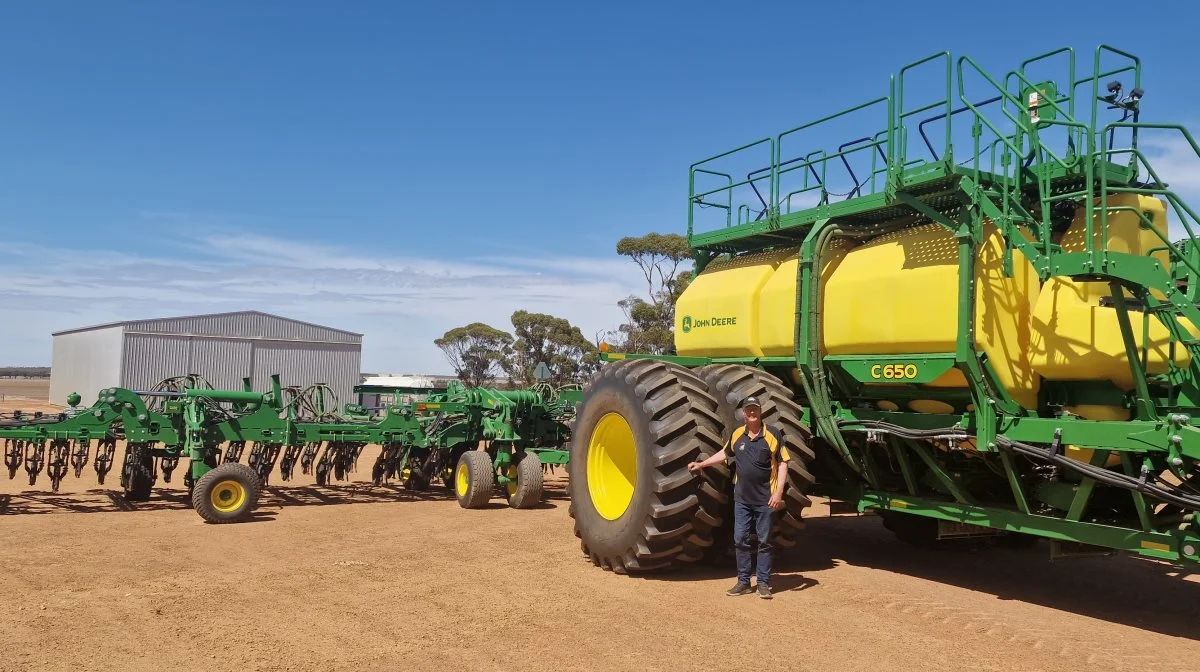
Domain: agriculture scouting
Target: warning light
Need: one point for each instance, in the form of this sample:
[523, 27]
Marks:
[604, 347]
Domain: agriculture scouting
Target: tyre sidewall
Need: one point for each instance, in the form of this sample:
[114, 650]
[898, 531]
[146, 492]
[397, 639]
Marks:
[607, 538]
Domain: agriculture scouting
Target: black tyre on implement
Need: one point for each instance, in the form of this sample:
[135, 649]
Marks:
[137, 473]
[635, 505]
[729, 384]
[227, 493]
[474, 479]
[525, 485]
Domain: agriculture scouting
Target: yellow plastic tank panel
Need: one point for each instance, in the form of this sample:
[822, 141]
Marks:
[1076, 338]
[777, 300]
[898, 294]
[718, 314]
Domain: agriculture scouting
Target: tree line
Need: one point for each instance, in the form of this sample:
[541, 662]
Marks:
[481, 353]
[24, 372]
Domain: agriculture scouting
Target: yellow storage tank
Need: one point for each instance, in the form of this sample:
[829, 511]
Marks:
[745, 307]
[898, 294]
[718, 314]
[1075, 333]
[777, 300]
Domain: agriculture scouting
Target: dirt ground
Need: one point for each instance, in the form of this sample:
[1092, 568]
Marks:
[26, 394]
[357, 577]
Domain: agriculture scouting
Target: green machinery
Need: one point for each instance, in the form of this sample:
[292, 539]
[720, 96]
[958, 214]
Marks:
[968, 318]
[474, 438]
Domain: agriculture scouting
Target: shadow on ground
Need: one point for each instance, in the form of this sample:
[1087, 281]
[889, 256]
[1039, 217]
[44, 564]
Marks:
[101, 500]
[1132, 591]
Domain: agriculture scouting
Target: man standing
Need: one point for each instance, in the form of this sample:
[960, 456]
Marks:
[760, 474]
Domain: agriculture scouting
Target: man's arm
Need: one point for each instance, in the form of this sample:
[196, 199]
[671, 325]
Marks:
[716, 457]
[781, 474]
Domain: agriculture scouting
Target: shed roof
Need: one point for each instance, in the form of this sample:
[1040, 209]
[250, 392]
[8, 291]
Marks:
[245, 323]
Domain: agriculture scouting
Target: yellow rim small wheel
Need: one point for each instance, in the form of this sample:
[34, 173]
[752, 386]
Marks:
[511, 474]
[228, 496]
[474, 480]
[611, 466]
[462, 479]
[525, 490]
[227, 493]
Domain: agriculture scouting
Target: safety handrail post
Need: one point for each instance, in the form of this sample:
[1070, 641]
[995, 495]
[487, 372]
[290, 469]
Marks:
[693, 196]
[900, 114]
[1185, 214]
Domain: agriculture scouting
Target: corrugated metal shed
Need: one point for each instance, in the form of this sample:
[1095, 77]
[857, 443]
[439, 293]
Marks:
[85, 362]
[223, 348]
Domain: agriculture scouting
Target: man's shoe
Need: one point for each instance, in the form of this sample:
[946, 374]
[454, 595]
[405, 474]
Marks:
[739, 589]
[764, 591]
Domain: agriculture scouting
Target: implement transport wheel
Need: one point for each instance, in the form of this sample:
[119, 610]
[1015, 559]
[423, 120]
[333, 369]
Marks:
[474, 479]
[525, 484]
[137, 473]
[636, 506]
[729, 384]
[226, 494]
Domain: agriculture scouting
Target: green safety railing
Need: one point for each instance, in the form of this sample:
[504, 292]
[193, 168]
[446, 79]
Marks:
[1015, 158]
[900, 148]
[695, 198]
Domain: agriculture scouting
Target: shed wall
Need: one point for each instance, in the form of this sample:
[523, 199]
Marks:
[85, 362]
[223, 349]
[303, 364]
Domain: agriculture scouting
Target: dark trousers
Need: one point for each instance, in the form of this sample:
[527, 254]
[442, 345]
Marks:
[745, 518]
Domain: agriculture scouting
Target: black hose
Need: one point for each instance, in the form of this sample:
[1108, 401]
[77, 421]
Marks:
[1098, 474]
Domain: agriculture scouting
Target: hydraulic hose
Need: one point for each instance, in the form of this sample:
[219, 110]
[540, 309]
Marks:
[816, 389]
[1098, 474]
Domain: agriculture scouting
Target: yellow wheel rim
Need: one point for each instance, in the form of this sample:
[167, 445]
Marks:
[227, 496]
[511, 486]
[461, 480]
[611, 466]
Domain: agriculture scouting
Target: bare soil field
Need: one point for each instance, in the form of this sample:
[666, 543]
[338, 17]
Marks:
[26, 394]
[359, 577]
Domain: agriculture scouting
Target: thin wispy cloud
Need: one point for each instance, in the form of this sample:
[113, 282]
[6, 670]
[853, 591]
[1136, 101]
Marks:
[400, 304]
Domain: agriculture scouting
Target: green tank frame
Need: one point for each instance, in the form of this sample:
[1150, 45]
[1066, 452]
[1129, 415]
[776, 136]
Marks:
[1023, 159]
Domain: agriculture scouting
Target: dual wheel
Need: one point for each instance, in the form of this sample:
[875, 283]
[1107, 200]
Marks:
[475, 480]
[635, 505]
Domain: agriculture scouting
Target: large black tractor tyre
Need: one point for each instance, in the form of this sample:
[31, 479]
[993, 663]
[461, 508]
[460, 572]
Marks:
[524, 488]
[729, 384]
[474, 479]
[636, 506]
[227, 493]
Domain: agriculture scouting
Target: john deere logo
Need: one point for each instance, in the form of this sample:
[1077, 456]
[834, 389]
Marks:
[688, 323]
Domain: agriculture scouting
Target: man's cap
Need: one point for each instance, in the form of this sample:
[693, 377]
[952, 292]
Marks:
[751, 401]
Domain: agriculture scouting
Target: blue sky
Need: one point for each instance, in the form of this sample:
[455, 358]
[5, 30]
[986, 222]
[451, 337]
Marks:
[398, 169]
